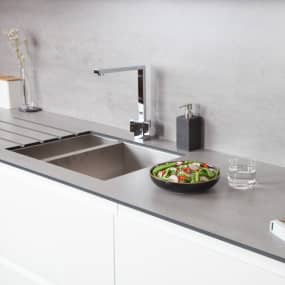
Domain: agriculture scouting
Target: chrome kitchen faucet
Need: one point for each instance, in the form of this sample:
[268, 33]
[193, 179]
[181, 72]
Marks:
[141, 126]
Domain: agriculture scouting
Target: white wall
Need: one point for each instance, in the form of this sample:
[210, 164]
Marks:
[227, 55]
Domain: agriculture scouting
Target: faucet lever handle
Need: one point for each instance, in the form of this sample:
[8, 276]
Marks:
[139, 128]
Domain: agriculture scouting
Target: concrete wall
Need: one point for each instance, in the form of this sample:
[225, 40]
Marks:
[227, 55]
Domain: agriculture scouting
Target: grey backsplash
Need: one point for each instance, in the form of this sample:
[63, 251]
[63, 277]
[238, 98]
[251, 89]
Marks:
[229, 56]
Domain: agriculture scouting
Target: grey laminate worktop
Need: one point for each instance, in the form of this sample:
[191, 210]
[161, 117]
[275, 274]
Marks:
[239, 217]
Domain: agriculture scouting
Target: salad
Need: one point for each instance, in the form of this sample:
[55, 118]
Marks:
[185, 172]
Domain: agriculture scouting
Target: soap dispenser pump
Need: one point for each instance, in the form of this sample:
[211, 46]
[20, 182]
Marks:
[189, 129]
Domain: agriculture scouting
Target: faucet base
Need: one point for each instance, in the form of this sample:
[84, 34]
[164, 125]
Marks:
[142, 139]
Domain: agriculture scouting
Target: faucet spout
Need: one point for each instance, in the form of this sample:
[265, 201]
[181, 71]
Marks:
[141, 126]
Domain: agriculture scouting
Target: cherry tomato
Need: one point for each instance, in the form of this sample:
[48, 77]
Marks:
[187, 170]
[205, 165]
[181, 178]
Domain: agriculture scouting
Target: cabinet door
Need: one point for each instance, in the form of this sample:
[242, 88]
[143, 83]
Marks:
[13, 274]
[153, 251]
[56, 232]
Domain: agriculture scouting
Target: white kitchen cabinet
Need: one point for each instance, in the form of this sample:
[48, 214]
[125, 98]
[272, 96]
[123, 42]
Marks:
[13, 274]
[51, 233]
[152, 251]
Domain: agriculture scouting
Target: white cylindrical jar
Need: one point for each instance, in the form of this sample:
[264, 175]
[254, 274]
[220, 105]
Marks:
[11, 92]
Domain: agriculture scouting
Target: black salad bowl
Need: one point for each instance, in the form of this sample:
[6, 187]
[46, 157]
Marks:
[185, 187]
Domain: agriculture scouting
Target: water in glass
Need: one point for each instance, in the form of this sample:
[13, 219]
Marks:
[242, 173]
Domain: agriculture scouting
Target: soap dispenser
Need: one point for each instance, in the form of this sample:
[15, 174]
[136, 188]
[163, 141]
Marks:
[189, 130]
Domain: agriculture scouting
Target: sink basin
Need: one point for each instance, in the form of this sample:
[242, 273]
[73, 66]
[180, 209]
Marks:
[114, 160]
[96, 156]
[63, 146]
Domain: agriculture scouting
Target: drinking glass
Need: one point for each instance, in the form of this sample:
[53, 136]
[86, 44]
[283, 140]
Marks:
[242, 173]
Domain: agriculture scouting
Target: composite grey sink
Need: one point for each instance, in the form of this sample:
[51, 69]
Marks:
[114, 160]
[97, 156]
